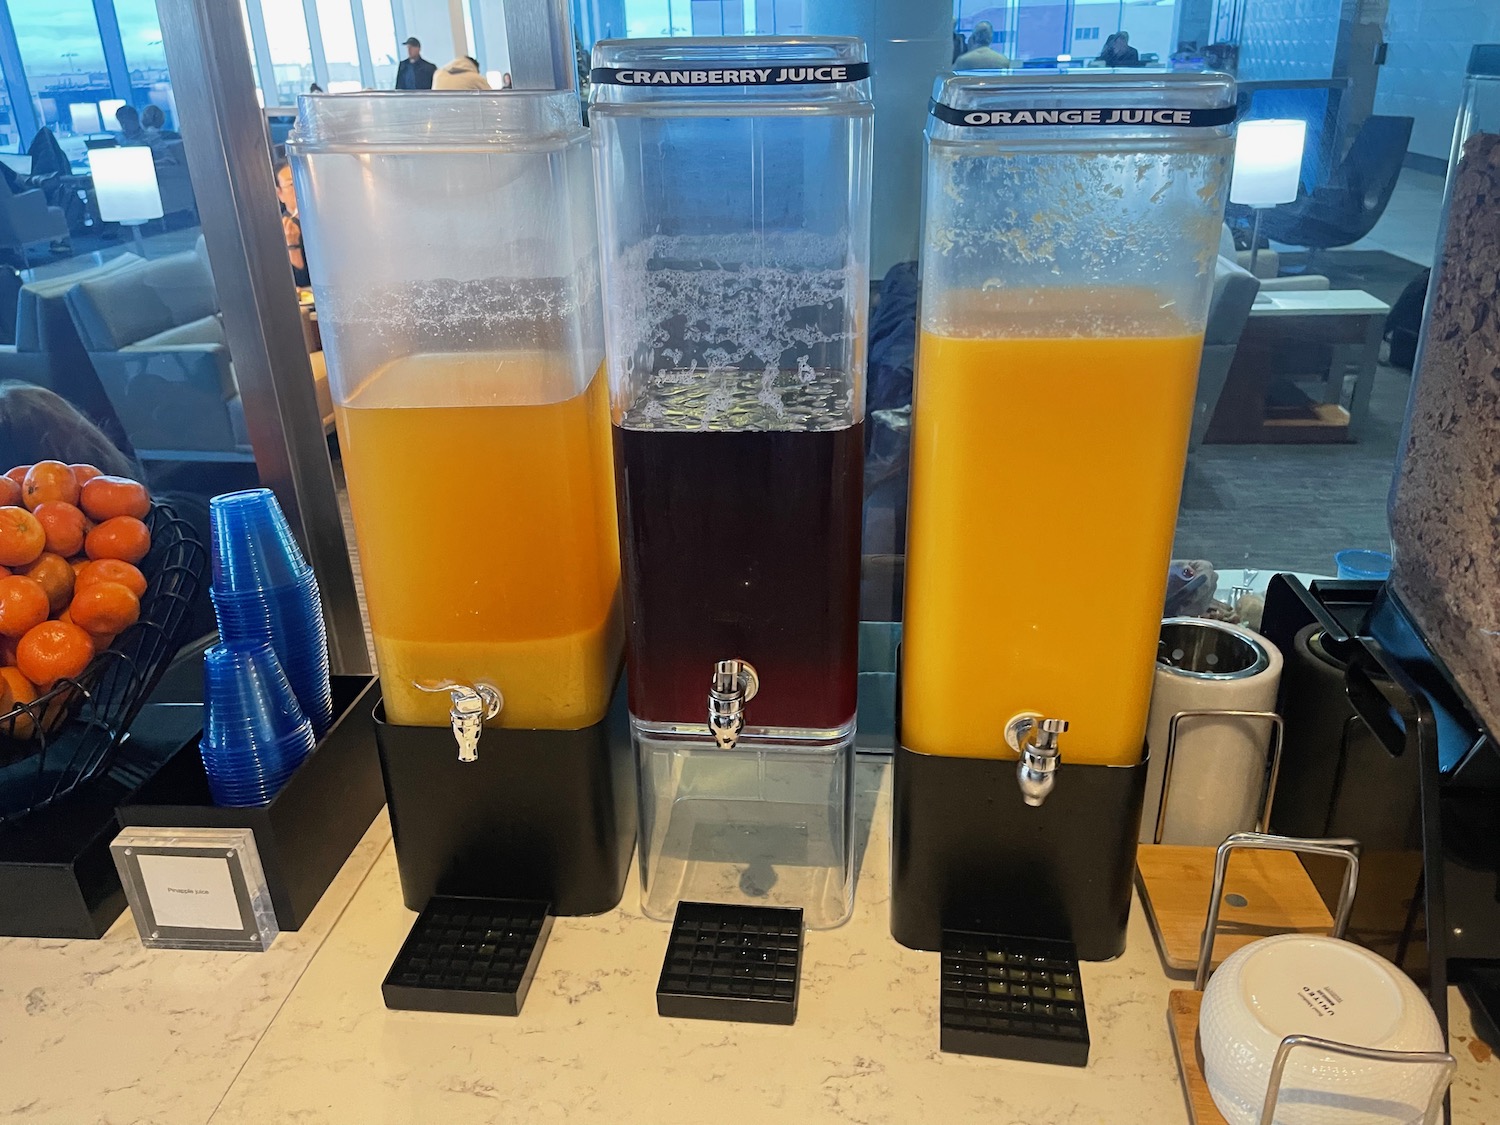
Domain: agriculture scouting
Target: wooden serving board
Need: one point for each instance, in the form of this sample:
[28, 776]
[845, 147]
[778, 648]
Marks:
[1182, 1015]
[1278, 898]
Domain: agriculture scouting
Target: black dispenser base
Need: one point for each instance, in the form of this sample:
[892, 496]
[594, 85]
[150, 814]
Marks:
[967, 853]
[546, 815]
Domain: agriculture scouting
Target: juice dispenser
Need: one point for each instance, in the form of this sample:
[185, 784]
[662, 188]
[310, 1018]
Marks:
[1070, 233]
[453, 254]
[734, 219]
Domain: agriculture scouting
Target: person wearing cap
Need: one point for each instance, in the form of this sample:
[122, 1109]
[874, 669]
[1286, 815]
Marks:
[415, 72]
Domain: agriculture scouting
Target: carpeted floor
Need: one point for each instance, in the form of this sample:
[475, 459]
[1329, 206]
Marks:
[1286, 507]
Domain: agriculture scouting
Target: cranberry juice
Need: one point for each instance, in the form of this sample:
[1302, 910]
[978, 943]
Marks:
[741, 544]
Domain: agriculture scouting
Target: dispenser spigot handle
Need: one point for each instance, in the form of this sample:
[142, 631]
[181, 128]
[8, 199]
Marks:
[1034, 738]
[735, 683]
[472, 706]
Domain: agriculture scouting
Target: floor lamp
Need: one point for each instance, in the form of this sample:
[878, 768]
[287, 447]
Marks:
[1267, 168]
[125, 187]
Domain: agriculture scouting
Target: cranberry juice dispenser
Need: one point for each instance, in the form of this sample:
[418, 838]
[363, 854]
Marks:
[453, 251]
[734, 215]
[1071, 230]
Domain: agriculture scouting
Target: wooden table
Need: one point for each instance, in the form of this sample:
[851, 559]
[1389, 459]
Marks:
[1301, 337]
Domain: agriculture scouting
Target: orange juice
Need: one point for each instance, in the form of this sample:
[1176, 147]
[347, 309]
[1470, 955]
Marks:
[1049, 435]
[486, 534]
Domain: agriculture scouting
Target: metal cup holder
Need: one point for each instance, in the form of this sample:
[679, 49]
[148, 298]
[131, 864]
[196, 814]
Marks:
[1347, 850]
[1263, 822]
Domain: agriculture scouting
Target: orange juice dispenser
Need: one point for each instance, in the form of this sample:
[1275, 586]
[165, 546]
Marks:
[1071, 230]
[453, 255]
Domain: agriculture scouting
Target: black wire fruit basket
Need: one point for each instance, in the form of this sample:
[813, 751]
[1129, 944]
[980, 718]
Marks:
[72, 732]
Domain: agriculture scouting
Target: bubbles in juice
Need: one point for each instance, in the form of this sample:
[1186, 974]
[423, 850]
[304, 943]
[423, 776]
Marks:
[740, 500]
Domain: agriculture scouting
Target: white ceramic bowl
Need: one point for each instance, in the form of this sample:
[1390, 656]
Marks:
[1297, 984]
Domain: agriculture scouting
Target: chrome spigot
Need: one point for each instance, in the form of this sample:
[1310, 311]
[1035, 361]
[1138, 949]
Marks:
[472, 707]
[734, 685]
[1035, 739]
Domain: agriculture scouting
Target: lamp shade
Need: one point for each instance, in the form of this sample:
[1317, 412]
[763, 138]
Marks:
[125, 184]
[83, 117]
[107, 109]
[1267, 162]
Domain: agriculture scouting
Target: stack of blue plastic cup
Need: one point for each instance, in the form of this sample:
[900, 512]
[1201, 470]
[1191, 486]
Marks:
[263, 590]
[254, 732]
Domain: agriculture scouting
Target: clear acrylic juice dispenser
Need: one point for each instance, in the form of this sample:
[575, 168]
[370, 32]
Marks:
[1072, 223]
[457, 294]
[453, 249]
[734, 181]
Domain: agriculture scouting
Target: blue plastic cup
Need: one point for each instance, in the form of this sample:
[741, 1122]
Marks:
[290, 618]
[255, 733]
[253, 546]
[1363, 566]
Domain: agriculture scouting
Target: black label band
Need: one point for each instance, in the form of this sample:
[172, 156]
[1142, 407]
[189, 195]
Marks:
[732, 74]
[1119, 115]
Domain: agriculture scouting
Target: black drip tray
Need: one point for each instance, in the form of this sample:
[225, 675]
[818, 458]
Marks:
[739, 963]
[1013, 998]
[474, 955]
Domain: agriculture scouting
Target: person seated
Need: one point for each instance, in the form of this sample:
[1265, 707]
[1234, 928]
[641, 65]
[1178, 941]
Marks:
[980, 55]
[460, 74]
[129, 120]
[291, 225]
[154, 124]
[1117, 51]
[37, 424]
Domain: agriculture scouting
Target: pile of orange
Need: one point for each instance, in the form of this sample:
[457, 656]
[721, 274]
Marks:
[70, 542]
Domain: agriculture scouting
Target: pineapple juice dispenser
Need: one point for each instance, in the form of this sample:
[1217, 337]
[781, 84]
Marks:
[454, 262]
[1070, 233]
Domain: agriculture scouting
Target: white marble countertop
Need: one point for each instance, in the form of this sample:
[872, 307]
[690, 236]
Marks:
[109, 1033]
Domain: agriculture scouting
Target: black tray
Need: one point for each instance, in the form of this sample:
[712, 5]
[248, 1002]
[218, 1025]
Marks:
[305, 835]
[739, 963]
[1013, 998]
[57, 878]
[471, 955]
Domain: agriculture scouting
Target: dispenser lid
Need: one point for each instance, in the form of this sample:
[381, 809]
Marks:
[1055, 104]
[762, 73]
[465, 120]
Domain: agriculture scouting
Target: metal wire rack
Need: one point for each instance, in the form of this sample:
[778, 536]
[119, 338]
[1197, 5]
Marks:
[72, 732]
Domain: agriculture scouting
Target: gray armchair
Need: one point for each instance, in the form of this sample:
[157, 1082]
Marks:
[1228, 310]
[49, 353]
[153, 333]
[26, 219]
